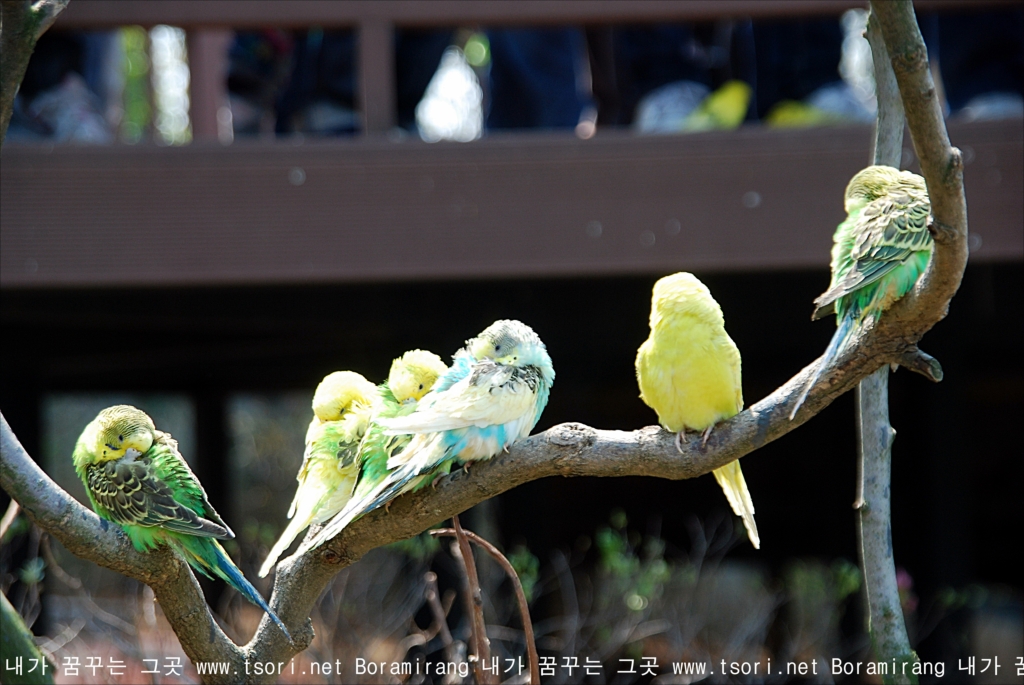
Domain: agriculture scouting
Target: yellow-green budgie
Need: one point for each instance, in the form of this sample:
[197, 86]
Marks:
[136, 477]
[343, 404]
[722, 110]
[689, 373]
[879, 252]
[412, 376]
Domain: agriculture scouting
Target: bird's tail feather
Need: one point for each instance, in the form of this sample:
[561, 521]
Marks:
[835, 346]
[730, 478]
[207, 555]
[295, 526]
[391, 487]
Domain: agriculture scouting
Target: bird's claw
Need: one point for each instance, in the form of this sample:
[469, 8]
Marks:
[679, 440]
[437, 479]
[705, 435]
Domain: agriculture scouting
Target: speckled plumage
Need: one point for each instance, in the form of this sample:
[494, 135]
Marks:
[136, 477]
[878, 253]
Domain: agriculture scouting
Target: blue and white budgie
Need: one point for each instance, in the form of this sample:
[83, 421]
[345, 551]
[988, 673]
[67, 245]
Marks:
[492, 396]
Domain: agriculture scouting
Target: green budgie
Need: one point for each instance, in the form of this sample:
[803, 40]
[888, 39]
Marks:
[136, 477]
[412, 376]
[342, 406]
[878, 254]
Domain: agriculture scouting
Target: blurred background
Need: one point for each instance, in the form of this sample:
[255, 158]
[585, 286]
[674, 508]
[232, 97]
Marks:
[206, 207]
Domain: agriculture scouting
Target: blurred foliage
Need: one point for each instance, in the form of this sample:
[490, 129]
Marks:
[33, 571]
[420, 548]
[477, 50]
[138, 112]
[527, 567]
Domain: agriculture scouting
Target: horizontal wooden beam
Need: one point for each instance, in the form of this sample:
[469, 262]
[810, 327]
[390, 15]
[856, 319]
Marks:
[301, 13]
[505, 206]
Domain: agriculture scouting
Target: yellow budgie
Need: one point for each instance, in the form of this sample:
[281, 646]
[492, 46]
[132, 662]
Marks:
[689, 373]
[343, 404]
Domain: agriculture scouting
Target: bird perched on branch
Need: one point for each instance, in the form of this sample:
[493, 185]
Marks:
[136, 477]
[343, 403]
[878, 253]
[412, 376]
[492, 396]
[689, 373]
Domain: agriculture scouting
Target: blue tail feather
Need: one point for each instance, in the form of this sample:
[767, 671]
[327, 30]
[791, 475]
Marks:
[231, 574]
[835, 346]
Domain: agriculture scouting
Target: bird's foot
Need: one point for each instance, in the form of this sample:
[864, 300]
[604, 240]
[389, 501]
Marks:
[387, 507]
[437, 479]
[680, 436]
[705, 435]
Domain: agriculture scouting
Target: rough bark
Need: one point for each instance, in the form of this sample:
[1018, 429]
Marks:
[904, 88]
[21, 24]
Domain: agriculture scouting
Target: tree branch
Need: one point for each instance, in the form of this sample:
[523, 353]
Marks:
[941, 165]
[88, 536]
[517, 586]
[903, 86]
[21, 24]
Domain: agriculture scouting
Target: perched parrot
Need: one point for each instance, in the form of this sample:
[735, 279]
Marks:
[136, 477]
[689, 373]
[342, 406]
[492, 396]
[878, 254]
[722, 110]
[412, 376]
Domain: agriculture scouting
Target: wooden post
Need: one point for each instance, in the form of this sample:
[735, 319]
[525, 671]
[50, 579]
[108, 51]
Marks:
[376, 64]
[208, 83]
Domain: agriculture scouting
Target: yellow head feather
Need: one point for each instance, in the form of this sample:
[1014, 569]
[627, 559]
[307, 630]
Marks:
[339, 392]
[414, 374]
[682, 293]
[117, 429]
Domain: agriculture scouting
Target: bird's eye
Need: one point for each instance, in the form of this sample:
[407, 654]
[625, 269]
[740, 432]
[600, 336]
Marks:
[497, 348]
[421, 386]
[120, 438]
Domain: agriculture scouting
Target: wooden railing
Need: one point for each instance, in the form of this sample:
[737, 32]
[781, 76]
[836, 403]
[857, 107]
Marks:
[373, 208]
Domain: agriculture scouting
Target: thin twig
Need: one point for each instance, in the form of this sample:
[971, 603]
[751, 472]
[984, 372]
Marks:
[76, 584]
[440, 617]
[474, 606]
[524, 608]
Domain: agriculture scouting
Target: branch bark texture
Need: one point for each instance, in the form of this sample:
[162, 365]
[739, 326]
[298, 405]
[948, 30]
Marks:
[21, 24]
[885, 622]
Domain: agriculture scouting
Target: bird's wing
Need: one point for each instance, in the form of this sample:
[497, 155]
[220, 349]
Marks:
[138, 492]
[492, 394]
[886, 233]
